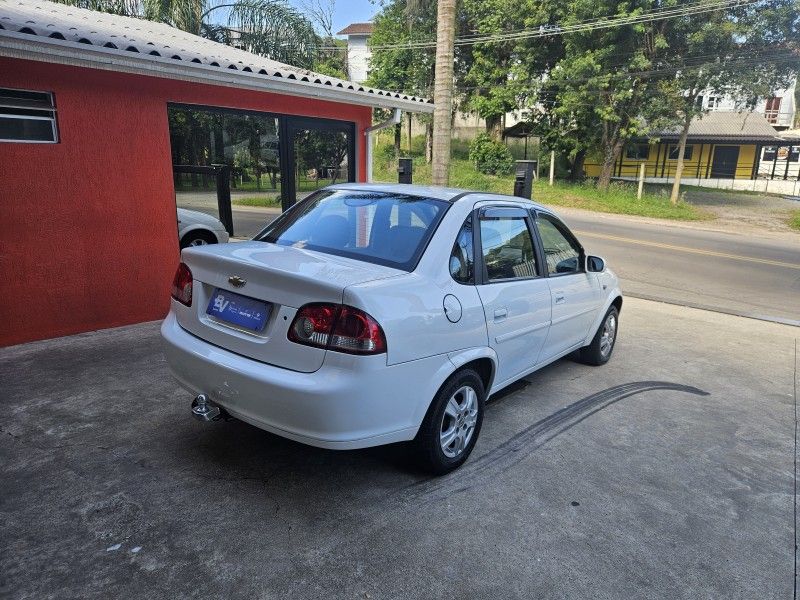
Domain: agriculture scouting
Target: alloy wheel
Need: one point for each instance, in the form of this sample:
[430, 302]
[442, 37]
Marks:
[458, 421]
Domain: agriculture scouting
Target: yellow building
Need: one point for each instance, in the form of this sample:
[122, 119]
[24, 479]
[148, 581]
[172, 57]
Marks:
[721, 145]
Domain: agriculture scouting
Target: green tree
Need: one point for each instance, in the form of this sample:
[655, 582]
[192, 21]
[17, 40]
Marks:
[744, 51]
[501, 76]
[271, 28]
[408, 70]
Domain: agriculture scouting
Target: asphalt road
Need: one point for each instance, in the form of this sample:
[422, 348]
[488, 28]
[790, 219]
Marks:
[730, 272]
[737, 273]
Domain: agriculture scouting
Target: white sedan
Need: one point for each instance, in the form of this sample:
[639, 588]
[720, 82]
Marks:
[372, 314]
[196, 228]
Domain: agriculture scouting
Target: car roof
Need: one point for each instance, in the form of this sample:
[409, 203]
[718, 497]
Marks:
[440, 193]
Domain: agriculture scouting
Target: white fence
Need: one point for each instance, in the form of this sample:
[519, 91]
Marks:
[769, 186]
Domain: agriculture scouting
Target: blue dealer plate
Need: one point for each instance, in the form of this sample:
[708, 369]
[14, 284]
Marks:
[241, 311]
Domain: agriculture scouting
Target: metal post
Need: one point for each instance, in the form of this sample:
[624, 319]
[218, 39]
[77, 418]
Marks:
[223, 173]
[699, 161]
[552, 166]
[641, 182]
[404, 170]
[774, 162]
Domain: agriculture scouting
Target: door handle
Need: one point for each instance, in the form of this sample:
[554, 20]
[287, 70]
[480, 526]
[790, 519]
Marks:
[500, 313]
[559, 298]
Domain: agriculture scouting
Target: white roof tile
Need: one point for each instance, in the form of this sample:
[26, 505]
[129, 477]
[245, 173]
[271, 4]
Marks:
[59, 25]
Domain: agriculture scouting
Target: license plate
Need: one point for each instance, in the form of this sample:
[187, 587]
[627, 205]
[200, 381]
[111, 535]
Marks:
[241, 311]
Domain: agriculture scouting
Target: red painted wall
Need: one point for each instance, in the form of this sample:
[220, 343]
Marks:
[88, 235]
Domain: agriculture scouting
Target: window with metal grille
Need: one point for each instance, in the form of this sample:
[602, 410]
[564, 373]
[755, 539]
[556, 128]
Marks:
[27, 116]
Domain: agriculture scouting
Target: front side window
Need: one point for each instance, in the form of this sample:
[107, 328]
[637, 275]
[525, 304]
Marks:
[27, 116]
[561, 250]
[382, 228]
[462, 258]
[507, 249]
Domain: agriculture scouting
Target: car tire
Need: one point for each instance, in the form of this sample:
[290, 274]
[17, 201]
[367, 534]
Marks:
[599, 351]
[198, 237]
[452, 424]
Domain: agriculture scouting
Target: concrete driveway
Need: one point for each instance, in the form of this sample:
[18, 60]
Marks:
[668, 473]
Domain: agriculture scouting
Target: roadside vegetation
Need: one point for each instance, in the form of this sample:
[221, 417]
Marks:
[618, 198]
[262, 201]
[794, 220]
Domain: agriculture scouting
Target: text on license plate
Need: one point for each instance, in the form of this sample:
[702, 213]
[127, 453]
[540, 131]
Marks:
[238, 310]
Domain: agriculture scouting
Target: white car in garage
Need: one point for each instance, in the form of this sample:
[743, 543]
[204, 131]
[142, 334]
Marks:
[372, 314]
[196, 228]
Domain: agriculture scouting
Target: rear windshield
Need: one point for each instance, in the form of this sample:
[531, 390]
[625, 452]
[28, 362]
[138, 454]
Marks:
[383, 228]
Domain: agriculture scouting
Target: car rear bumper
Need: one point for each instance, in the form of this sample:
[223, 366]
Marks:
[350, 402]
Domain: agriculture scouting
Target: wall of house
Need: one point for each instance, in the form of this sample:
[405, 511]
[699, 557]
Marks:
[658, 164]
[88, 235]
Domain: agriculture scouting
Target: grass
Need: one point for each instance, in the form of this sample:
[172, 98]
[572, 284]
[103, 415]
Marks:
[620, 198]
[263, 201]
[794, 220]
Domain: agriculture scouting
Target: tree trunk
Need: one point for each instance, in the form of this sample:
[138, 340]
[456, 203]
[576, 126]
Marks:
[398, 132]
[577, 166]
[494, 127]
[676, 184]
[611, 153]
[443, 91]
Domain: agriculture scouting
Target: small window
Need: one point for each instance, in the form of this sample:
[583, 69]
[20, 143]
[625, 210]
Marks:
[27, 117]
[507, 249]
[687, 152]
[637, 151]
[561, 250]
[794, 154]
[462, 258]
[714, 102]
[770, 152]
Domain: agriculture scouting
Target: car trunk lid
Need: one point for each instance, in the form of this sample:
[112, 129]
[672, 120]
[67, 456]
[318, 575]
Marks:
[283, 278]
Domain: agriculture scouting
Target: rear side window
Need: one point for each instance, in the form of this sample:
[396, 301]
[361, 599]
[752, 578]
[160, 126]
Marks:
[462, 258]
[507, 249]
[376, 227]
[561, 250]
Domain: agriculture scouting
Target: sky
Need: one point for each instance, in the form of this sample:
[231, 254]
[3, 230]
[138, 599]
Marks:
[347, 11]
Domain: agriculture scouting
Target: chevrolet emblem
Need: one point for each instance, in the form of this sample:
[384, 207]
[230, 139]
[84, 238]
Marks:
[236, 281]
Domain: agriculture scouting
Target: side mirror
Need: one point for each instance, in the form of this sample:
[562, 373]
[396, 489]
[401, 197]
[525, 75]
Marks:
[595, 264]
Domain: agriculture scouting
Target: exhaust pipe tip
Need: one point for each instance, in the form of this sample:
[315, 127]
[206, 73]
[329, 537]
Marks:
[203, 409]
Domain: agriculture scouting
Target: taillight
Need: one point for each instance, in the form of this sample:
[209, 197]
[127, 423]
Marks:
[182, 285]
[337, 327]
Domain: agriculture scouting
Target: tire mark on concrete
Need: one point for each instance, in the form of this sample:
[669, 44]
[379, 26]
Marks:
[530, 439]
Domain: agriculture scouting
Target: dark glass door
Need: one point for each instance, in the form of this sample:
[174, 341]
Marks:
[320, 152]
[725, 159]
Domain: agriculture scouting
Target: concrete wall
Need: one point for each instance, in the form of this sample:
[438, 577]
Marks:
[88, 225]
[776, 186]
[358, 54]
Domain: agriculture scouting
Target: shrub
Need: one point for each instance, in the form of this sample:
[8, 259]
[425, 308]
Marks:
[490, 156]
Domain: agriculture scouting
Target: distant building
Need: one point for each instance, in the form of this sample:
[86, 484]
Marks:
[723, 148]
[779, 108]
[358, 52]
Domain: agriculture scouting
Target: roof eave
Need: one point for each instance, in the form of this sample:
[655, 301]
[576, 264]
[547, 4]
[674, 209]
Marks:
[23, 46]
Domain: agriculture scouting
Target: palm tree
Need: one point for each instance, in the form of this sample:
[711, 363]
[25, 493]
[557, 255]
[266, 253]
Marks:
[270, 28]
[443, 92]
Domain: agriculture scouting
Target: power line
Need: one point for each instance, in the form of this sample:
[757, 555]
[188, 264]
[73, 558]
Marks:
[547, 30]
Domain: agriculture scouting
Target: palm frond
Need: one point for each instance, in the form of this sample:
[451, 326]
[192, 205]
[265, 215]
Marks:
[274, 29]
